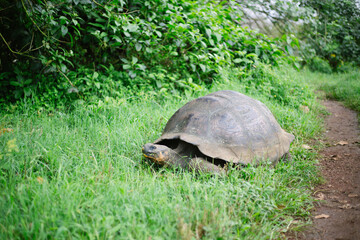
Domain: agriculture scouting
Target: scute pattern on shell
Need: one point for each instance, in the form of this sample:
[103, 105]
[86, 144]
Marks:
[230, 126]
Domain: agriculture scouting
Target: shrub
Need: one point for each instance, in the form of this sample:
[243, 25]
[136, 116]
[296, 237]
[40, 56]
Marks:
[81, 49]
[320, 65]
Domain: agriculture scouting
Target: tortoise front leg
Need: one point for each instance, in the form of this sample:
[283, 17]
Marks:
[286, 157]
[203, 166]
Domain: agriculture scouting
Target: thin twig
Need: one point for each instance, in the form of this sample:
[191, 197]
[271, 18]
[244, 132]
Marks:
[32, 40]
[37, 48]
[15, 52]
[22, 1]
[112, 11]
[7, 8]
[58, 69]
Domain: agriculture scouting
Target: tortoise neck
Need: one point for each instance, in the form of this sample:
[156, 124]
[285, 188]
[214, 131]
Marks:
[186, 149]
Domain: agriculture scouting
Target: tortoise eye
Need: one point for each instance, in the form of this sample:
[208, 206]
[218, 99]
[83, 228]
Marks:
[152, 148]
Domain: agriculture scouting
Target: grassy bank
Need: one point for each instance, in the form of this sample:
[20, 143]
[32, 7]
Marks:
[343, 86]
[80, 174]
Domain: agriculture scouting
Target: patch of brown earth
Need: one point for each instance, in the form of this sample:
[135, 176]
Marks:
[337, 216]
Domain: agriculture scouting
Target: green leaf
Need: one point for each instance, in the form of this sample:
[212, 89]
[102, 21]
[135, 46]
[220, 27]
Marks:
[295, 42]
[95, 75]
[63, 20]
[289, 50]
[117, 23]
[203, 44]
[14, 83]
[158, 83]
[103, 34]
[63, 68]
[132, 27]
[138, 47]
[296, 65]
[126, 66]
[257, 50]
[117, 39]
[64, 30]
[208, 32]
[158, 33]
[97, 25]
[28, 81]
[27, 91]
[252, 55]
[218, 37]
[134, 60]
[132, 74]
[141, 67]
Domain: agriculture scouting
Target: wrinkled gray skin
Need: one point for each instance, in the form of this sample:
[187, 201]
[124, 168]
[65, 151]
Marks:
[179, 158]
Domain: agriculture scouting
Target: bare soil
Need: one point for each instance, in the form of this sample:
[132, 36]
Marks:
[337, 215]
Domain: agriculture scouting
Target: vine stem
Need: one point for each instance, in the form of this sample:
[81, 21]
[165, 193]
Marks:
[58, 69]
[22, 2]
[64, 75]
[32, 20]
[15, 52]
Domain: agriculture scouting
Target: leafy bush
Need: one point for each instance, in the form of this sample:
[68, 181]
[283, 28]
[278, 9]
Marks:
[319, 65]
[328, 29]
[334, 30]
[346, 67]
[276, 87]
[77, 48]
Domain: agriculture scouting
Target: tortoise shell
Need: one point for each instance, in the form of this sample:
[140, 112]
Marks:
[230, 126]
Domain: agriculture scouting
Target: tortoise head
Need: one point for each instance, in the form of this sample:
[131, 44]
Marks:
[159, 154]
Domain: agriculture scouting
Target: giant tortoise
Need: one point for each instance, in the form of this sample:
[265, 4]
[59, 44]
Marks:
[220, 128]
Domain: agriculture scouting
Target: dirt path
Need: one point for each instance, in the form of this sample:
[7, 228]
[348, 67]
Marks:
[338, 215]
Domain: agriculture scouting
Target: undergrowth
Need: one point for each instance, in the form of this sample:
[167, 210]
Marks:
[70, 50]
[342, 86]
[80, 173]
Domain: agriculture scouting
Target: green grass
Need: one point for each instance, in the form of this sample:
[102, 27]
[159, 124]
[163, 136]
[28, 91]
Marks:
[344, 87]
[81, 175]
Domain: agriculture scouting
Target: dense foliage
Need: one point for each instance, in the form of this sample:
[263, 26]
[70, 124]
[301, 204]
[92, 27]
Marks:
[60, 47]
[335, 33]
[328, 29]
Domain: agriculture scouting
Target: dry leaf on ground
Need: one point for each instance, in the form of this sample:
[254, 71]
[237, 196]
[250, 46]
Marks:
[6, 130]
[305, 109]
[352, 195]
[322, 216]
[320, 196]
[345, 206]
[342, 143]
[40, 180]
[305, 146]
